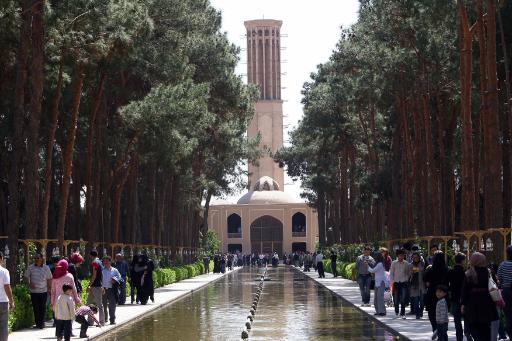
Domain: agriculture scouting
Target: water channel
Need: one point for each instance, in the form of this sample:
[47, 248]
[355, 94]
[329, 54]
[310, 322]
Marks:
[292, 307]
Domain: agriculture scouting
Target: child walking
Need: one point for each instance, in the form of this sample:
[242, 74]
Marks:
[82, 314]
[442, 313]
[64, 313]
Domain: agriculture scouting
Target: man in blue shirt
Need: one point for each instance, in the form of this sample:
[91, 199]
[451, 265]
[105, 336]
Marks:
[124, 270]
[110, 284]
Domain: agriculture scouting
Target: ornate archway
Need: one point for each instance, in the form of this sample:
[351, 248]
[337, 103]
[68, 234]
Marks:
[267, 235]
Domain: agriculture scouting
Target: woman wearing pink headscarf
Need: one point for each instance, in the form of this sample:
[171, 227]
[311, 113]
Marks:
[61, 276]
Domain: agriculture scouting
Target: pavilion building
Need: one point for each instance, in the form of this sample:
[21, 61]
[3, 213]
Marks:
[266, 218]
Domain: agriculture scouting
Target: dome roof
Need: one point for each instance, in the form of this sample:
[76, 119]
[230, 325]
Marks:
[266, 191]
[221, 202]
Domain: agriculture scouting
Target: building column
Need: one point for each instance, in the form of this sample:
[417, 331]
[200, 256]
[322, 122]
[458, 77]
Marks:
[287, 230]
[246, 230]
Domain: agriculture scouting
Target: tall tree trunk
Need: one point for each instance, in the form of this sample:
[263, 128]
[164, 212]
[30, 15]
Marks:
[52, 128]
[152, 204]
[493, 209]
[344, 203]
[420, 170]
[204, 225]
[446, 138]
[67, 167]
[478, 133]
[32, 179]
[117, 204]
[432, 173]
[76, 212]
[90, 190]
[407, 160]
[468, 205]
[321, 208]
[395, 221]
[507, 182]
[17, 141]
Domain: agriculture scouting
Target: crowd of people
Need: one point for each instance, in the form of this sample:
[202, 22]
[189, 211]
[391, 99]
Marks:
[478, 294]
[58, 284]
[227, 261]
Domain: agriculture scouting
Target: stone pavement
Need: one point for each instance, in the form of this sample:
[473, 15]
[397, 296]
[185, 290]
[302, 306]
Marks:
[126, 313]
[411, 329]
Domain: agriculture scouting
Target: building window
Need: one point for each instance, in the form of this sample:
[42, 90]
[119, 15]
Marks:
[298, 225]
[234, 226]
[299, 247]
[234, 248]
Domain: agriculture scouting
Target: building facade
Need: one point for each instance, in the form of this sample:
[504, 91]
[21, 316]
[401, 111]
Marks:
[265, 219]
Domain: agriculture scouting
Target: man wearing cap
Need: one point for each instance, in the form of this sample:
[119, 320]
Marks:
[124, 270]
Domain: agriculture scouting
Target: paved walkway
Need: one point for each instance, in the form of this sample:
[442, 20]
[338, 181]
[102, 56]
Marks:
[411, 329]
[126, 313]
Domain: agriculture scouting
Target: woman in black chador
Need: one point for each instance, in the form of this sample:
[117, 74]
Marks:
[136, 275]
[147, 289]
[222, 263]
[216, 264]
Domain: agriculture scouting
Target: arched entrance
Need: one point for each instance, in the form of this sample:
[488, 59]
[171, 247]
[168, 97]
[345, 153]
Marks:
[267, 235]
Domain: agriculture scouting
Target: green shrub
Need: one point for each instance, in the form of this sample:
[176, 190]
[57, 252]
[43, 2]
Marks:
[83, 295]
[200, 267]
[345, 269]
[23, 315]
[181, 273]
[191, 271]
[163, 276]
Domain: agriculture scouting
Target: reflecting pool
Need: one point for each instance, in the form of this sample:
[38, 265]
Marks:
[291, 307]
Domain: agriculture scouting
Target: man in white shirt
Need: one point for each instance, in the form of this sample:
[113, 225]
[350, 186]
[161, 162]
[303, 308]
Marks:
[6, 300]
[39, 280]
[110, 284]
[399, 275]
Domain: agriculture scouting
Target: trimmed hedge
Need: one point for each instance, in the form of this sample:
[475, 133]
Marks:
[345, 269]
[23, 316]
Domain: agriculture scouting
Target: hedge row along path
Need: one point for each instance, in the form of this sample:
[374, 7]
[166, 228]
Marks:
[128, 313]
[409, 329]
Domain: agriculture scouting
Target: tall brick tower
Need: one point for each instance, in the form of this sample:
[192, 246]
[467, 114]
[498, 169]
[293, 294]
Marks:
[264, 70]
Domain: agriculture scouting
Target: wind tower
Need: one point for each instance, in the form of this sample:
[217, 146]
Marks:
[265, 219]
[264, 70]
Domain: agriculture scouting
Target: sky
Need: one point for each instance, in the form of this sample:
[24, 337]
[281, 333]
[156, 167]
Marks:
[310, 32]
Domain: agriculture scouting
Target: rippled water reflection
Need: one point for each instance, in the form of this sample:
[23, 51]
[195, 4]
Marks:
[292, 307]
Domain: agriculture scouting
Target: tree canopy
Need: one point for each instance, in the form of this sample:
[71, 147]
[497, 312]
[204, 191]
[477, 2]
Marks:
[118, 119]
[406, 128]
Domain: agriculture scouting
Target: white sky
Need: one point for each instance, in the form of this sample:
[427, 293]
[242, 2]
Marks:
[312, 29]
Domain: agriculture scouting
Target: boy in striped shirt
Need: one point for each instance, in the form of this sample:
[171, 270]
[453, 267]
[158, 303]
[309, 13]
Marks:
[81, 317]
[442, 313]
